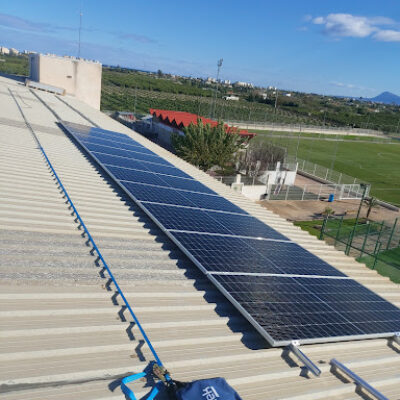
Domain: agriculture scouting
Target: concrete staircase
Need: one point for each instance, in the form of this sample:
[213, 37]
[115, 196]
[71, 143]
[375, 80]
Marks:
[65, 333]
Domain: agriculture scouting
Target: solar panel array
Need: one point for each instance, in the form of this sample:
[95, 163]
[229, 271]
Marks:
[285, 291]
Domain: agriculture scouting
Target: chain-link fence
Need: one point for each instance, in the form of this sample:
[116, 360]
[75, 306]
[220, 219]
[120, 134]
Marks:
[377, 244]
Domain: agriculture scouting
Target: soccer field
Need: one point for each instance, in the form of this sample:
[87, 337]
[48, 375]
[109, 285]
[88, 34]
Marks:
[376, 163]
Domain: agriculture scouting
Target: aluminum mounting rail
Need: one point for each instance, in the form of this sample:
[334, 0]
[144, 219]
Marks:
[294, 347]
[360, 383]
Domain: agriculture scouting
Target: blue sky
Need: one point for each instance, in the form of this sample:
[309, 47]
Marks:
[321, 46]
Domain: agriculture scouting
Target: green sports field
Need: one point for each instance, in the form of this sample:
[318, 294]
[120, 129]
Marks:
[376, 163]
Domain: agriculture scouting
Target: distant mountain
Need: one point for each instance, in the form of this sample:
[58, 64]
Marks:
[387, 98]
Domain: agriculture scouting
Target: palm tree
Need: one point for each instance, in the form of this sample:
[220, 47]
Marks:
[370, 202]
[206, 146]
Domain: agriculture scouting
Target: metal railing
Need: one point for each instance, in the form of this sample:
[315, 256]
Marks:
[317, 191]
[325, 173]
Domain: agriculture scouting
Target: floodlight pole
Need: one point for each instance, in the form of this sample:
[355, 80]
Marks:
[219, 65]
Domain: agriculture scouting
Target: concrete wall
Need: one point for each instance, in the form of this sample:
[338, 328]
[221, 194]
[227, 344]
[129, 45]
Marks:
[80, 78]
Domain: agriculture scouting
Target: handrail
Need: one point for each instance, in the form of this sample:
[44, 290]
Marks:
[142, 331]
[358, 380]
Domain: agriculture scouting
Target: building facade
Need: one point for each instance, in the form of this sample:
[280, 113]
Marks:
[80, 78]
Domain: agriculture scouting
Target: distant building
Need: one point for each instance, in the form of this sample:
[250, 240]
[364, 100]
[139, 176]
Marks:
[4, 50]
[14, 52]
[288, 94]
[167, 122]
[226, 82]
[80, 78]
[231, 97]
[211, 80]
[243, 84]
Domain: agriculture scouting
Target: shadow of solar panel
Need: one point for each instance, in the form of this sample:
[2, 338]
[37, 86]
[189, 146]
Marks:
[291, 308]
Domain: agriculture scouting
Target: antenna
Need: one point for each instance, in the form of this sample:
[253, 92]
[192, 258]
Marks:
[80, 28]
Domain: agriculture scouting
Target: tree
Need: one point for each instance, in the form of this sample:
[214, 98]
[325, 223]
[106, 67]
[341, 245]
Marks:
[262, 154]
[206, 146]
[370, 202]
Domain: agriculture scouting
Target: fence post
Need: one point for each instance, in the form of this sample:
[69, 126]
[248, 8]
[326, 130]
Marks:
[304, 189]
[365, 239]
[320, 190]
[321, 235]
[304, 162]
[315, 169]
[287, 192]
[391, 233]
[327, 173]
[339, 229]
[350, 239]
[340, 178]
[380, 232]
[376, 252]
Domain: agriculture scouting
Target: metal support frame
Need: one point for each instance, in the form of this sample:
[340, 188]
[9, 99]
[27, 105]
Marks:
[360, 383]
[396, 338]
[294, 347]
[392, 233]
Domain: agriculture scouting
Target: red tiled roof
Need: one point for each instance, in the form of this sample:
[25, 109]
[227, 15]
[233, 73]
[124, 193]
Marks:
[182, 119]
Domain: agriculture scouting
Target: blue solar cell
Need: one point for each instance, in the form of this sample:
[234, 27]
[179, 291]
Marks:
[112, 143]
[246, 225]
[156, 194]
[189, 219]
[179, 218]
[125, 154]
[136, 176]
[291, 308]
[186, 184]
[256, 256]
[225, 254]
[295, 305]
[213, 202]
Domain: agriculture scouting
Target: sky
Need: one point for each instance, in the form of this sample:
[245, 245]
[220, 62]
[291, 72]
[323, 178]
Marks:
[333, 47]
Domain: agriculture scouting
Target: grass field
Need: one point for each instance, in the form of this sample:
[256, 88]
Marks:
[376, 163]
[388, 263]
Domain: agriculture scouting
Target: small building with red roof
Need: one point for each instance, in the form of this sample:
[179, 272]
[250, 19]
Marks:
[166, 122]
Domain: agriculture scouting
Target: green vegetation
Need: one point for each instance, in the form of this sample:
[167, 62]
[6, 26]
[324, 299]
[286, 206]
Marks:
[17, 65]
[388, 263]
[376, 163]
[206, 146]
[314, 227]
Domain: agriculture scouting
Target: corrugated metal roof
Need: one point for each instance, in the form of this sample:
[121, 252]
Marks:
[65, 336]
[182, 119]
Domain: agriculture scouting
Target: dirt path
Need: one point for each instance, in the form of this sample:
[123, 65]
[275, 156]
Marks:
[311, 209]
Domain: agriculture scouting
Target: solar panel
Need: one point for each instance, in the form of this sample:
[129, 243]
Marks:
[252, 255]
[286, 292]
[310, 309]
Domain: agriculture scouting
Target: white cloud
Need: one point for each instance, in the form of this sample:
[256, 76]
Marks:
[387, 35]
[348, 25]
